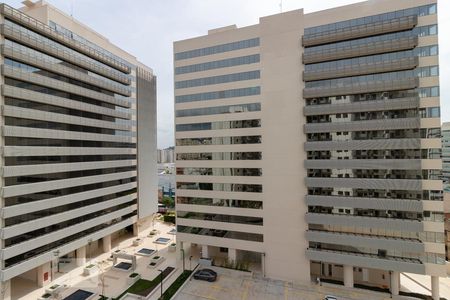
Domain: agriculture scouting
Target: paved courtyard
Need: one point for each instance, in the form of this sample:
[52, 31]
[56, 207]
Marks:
[234, 285]
[114, 281]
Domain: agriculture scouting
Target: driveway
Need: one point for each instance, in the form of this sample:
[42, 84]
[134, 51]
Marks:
[235, 285]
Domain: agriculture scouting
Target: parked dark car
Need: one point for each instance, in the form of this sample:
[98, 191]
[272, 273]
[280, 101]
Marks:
[205, 274]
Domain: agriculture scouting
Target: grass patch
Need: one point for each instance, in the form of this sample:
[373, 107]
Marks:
[173, 288]
[143, 287]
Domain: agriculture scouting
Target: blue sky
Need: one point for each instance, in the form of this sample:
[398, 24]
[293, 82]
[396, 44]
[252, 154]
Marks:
[147, 28]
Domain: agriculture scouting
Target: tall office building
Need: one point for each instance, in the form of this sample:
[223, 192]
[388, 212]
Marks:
[78, 142]
[446, 154]
[309, 144]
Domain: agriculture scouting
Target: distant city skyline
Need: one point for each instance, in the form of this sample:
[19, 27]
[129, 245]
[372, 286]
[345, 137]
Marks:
[156, 24]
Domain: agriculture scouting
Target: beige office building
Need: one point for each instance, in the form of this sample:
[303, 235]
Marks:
[78, 144]
[309, 144]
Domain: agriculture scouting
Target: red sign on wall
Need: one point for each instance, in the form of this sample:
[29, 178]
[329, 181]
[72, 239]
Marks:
[45, 276]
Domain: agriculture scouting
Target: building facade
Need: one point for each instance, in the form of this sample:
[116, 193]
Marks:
[309, 144]
[166, 155]
[78, 142]
[446, 154]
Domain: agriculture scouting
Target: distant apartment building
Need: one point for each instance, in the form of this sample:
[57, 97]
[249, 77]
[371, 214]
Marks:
[446, 154]
[76, 112]
[310, 144]
[166, 155]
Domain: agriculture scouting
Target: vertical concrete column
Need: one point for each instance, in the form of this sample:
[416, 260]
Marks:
[205, 252]
[348, 276]
[5, 290]
[395, 283]
[81, 256]
[263, 264]
[106, 243]
[43, 275]
[232, 255]
[435, 287]
[135, 229]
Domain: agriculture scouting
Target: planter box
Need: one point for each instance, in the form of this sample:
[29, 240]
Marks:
[46, 296]
[137, 242]
[172, 247]
[54, 289]
[155, 261]
[89, 270]
[153, 233]
[115, 252]
[132, 280]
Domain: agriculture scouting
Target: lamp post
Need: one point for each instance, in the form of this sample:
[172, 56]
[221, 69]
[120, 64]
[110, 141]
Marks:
[190, 260]
[89, 249]
[161, 283]
[182, 253]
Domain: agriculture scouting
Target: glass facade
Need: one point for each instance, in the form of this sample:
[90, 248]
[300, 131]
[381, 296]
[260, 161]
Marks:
[50, 60]
[217, 64]
[219, 95]
[215, 110]
[220, 156]
[415, 11]
[219, 125]
[372, 59]
[417, 31]
[217, 49]
[237, 235]
[224, 187]
[253, 204]
[25, 32]
[446, 156]
[238, 140]
[372, 161]
[217, 79]
[220, 218]
[346, 81]
[220, 171]
[69, 116]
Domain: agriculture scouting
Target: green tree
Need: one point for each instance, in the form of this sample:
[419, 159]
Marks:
[168, 202]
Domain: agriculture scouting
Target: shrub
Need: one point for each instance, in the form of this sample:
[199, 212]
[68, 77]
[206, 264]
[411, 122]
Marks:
[169, 218]
[173, 288]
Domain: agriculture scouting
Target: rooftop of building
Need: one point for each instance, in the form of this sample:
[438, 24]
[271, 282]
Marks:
[44, 12]
[330, 15]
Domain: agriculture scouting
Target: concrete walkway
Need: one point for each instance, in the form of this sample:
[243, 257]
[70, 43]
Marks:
[112, 281]
[422, 284]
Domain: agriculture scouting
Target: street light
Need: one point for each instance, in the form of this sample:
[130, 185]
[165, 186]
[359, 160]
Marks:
[190, 259]
[182, 252]
[161, 283]
[89, 249]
